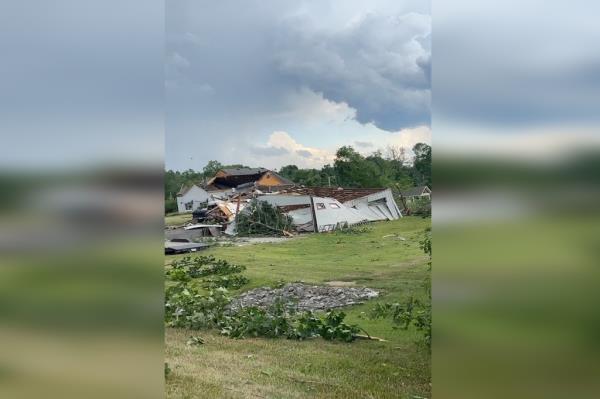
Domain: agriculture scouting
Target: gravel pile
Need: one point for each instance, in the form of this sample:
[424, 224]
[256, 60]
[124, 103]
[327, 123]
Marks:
[306, 297]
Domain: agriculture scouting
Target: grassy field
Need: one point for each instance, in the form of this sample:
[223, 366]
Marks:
[178, 219]
[264, 368]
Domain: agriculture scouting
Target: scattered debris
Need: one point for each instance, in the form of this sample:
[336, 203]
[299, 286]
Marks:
[179, 246]
[195, 341]
[305, 297]
[200, 226]
[394, 235]
[237, 202]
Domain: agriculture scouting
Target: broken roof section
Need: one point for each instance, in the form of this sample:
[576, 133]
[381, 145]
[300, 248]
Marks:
[242, 171]
[226, 179]
[339, 193]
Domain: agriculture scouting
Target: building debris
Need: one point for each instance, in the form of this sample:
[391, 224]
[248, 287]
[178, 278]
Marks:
[182, 246]
[305, 297]
[308, 209]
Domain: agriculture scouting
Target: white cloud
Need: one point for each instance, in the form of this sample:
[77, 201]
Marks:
[179, 61]
[282, 149]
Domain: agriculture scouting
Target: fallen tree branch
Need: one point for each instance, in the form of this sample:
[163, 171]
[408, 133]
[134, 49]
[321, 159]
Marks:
[369, 337]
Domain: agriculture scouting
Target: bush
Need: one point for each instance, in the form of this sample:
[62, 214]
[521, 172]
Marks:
[420, 206]
[170, 206]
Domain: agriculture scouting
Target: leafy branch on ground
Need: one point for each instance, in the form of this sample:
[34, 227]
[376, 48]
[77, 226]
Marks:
[403, 315]
[216, 272]
[188, 305]
[261, 218]
[280, 320]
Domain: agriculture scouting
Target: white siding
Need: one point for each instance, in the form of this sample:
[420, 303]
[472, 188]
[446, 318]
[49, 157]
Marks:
[194, 197]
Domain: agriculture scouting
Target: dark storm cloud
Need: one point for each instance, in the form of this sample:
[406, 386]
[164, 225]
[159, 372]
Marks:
[232, 70]
[376, 65]
[92, 76]
[538, 67]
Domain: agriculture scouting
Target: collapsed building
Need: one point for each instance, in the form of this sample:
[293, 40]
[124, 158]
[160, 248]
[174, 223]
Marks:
[321, 209]
[312, 209]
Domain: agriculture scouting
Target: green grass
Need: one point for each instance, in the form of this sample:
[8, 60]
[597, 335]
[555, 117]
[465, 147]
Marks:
[279, 368]
[178, 219]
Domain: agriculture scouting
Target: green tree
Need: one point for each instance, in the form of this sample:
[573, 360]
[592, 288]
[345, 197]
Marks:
[211, 168]
[422, 163]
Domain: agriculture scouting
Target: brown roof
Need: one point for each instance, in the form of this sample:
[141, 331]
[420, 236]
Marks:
[284, 181]
[244, 171]
[414, 191]
[236, 177]
[340, 194]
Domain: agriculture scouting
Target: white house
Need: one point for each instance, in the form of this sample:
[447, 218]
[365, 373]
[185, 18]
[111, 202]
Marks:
[416, 192]
[190, 198]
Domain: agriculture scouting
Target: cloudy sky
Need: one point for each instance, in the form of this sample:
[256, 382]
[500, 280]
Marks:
[279, 82]
[81, 83]
[511, 80]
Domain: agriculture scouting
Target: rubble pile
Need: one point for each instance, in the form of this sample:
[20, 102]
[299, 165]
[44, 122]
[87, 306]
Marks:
[305, 297]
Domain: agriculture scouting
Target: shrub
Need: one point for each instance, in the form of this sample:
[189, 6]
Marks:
[420, 206]
[170, 206]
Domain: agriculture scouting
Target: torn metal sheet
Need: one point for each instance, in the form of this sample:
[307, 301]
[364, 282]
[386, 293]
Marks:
[285, 200]
[330, 214]
[373, 199]
[372, 215]
[172, 247]
[200, 226]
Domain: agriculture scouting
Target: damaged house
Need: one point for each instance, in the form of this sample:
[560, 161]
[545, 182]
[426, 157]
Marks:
[312, 209]
[414, 193]
[322, 209]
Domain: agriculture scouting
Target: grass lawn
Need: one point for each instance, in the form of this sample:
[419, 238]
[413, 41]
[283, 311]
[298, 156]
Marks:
[178, 219]
[280, 368]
